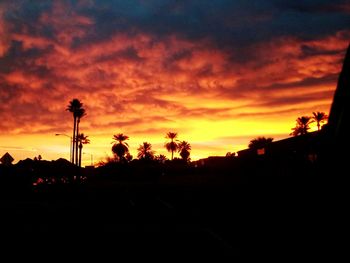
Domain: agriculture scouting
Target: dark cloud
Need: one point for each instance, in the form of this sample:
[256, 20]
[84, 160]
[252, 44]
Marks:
[308, 50]
[129, 53]
[228, 24]
[246, 90]
[312, 6]
[17, 57]
[328, 79]
[8, 93]
[296, 99]
[23, 16]
[180, 55]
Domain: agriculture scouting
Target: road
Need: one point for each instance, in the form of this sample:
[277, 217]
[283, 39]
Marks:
[228, 221]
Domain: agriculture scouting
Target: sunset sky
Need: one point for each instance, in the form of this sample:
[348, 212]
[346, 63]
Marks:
[219, 73]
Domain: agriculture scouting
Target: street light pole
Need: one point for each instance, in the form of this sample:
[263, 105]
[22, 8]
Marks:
[70, 142]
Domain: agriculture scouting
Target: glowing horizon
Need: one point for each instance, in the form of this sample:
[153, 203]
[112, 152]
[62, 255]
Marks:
[147, 68]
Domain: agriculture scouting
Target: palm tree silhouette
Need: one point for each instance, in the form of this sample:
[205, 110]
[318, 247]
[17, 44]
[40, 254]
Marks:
[259, 142]
[172, 145]
[80, 113]
[82, 139]
[161, 158]
[120, 147]
[184, 149]
[319, 117]
[76, 108]
[302, 126]
[145, 151]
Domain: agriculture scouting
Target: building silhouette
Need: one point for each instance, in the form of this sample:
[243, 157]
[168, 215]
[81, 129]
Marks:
[6, 159]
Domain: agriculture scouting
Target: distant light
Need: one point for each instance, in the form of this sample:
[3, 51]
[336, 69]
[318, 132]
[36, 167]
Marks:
[261, 151]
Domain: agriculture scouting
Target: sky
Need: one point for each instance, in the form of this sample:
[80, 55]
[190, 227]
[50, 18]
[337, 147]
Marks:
[219, 73]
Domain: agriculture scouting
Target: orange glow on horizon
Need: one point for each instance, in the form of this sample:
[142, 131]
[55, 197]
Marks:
[145, 85]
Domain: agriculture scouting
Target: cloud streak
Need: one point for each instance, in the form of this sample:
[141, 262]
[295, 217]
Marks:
[147, 67]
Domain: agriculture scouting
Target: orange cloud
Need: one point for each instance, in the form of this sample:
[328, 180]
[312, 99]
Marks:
[146, 85]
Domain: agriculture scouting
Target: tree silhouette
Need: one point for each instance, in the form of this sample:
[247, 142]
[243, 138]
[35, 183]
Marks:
[172, 145]
[302, 126]
[120, 147]
[145, 151]
[76, 108]
[128, 157]
[82, 139]
[230, 154]
[259, 142]
[161, 158]
[184, 149]
[39, 158]
[80, 113]
[319, 117]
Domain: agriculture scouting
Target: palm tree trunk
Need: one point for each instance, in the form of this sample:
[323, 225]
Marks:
[172, 151]
[73, 140]
[80, 152]
[76, 143]
[318, 126]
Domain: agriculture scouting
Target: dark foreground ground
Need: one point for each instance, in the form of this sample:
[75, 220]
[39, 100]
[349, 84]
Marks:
[265, 218]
